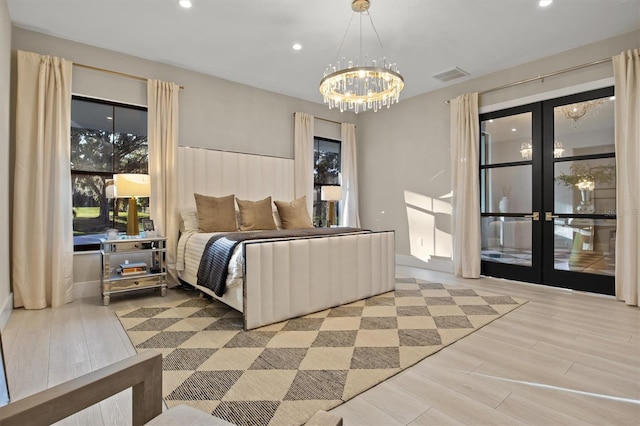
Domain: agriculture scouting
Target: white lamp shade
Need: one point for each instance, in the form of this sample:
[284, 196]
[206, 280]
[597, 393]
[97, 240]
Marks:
[110, 189]
[132, 185]
[331, 193]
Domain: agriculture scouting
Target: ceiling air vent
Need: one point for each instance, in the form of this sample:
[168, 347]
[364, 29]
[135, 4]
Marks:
[451, 74]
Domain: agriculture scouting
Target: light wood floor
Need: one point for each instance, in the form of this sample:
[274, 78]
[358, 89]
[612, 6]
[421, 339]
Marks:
[563, 358]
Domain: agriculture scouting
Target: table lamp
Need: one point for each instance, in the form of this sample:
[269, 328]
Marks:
[331, 193]
[132, 186]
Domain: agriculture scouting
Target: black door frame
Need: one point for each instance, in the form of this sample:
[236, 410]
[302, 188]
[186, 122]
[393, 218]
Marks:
[542, 270]
[533, 273]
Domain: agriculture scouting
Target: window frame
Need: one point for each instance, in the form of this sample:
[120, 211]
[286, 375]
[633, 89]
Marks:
[320, 207]
[91, 241]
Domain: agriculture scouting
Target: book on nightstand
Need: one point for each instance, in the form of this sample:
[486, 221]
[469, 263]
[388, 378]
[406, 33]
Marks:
[128, 269]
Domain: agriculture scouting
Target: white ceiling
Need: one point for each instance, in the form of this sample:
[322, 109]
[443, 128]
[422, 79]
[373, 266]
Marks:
[249, 41]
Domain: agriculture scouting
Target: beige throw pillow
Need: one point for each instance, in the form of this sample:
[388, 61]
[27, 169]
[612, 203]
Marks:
[189, 219]
[216, 214]
[294, 214]
[255, 215]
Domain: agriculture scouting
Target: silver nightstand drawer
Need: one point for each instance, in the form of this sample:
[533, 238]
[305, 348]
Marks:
[134, 282]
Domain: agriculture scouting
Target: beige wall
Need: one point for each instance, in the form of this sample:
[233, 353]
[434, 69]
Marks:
[5, 72]
[404, 156]
[214, 113]
[403, 153]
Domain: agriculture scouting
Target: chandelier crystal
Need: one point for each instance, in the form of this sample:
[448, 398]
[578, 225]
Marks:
[361, 85]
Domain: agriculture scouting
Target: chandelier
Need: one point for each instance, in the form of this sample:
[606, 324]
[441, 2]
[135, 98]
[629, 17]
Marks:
[526, 150]
[576, 111]
[558, 149]
[361, 85]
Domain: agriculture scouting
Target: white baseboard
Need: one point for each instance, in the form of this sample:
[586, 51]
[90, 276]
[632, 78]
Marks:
[5, 311]
[86, 289]
[434, 263]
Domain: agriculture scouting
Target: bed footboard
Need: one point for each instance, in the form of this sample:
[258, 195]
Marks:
[288, 278]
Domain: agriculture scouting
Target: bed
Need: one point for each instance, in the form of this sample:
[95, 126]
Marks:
[280, 277]
[275, 279]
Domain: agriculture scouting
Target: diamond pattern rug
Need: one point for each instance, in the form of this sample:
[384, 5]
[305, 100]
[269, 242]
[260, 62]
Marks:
[283, 373]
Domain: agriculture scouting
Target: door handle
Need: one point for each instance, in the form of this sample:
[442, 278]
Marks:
[549, 216]
[533, 216]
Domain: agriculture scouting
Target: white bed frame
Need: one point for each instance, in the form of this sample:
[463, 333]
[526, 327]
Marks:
[286, 278]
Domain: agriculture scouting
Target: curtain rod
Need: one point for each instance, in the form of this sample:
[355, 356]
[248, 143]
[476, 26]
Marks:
[542, 77]
[327, 120]
[323, 119]
[121, 74]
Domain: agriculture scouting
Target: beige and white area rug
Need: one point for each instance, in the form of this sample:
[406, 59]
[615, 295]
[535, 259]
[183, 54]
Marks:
[283, 373]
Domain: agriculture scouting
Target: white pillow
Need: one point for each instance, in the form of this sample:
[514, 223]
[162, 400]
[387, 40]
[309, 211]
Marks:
[189, 222]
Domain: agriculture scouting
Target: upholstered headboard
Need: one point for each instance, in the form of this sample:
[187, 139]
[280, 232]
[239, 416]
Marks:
[220, 173]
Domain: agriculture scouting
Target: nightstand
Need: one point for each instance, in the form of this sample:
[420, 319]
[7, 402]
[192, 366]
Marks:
[131, 263]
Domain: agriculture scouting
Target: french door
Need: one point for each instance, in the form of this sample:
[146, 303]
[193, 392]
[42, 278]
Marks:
[547, 190]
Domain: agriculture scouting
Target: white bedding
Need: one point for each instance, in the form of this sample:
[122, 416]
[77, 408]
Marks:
[190, 248]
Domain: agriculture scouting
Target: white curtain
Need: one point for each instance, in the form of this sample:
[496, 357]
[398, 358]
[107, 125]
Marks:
[465, 184]
[162, 98]
[349, 215]
[42, 262]
[626, 68]
[303, 158]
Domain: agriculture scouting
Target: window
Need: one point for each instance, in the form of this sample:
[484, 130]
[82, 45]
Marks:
[326, 172]
[106, 138]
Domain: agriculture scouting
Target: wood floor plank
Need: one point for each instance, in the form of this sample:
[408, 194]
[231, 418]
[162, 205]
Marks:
[508, 354]
[359, 412]
[434, 417]
[454, 359]
[28, 360]
[470, 386]
[619, 369]
[531, 412]
[395, 402]
[584, 408]
[542, 378]
[607, 348]
[68, 342]
[514, 338]
[449, 401]
[624, 387]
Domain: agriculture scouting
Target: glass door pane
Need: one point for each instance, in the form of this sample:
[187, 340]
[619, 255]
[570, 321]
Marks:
[580, 211]
[508, 152]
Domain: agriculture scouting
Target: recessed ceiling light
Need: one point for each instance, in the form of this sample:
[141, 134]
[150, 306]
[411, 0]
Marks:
[185, 3]
[297, 46]
[513, 130]
[544, 3]
[613, 98]
[109, 118]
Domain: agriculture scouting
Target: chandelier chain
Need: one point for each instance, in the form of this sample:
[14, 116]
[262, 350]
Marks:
[344, 37]
[377, 35]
